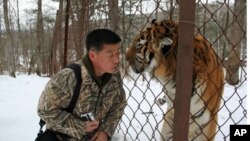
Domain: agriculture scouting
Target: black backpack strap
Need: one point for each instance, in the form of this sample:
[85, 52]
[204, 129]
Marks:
[77, 70]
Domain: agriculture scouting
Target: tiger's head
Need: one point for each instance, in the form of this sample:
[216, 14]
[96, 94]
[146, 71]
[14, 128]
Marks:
[151, 46]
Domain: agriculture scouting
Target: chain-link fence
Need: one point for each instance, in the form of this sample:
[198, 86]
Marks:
[223, 24]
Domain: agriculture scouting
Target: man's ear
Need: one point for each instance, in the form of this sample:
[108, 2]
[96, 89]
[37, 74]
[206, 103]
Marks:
[92, 55]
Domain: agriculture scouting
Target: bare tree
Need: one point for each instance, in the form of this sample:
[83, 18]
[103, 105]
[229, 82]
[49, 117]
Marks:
[57, 40]
[66, 33]
[20, 34]
[226, 17]
[236, 38]
[39, 38]
[80, 20]
[114, 15]
[9, 51]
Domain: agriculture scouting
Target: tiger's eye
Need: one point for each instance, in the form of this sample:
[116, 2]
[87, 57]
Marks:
[138, 45]
[143, 37]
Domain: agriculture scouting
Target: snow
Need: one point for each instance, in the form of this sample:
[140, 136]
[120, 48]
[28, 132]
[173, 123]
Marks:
[142, 120]
[18, 100]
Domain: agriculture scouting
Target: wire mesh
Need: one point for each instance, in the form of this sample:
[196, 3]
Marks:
[216, 21]
[221, 22]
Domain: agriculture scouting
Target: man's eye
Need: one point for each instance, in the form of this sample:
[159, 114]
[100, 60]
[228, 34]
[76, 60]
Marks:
[110, 55]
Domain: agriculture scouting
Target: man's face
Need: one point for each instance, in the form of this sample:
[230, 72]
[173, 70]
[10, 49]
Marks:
[106, 60]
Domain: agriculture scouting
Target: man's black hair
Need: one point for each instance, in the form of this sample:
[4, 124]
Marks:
[98, 37]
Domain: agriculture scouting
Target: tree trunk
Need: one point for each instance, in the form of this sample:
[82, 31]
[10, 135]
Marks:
[56, 41]
[78, 16]
[223, 40]
[20, 34]
[114, 15]
[39, 39]
[66, 34]
[9, 51]
[236, 38]
[82, 24]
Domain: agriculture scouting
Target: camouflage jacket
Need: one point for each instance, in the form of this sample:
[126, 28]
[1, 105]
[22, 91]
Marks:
[108, 97]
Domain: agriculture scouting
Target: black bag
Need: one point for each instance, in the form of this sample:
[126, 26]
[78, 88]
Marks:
[49, 135]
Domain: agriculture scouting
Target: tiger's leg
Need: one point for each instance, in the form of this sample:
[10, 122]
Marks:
[167, 128]
[209, 131]
[202, 128]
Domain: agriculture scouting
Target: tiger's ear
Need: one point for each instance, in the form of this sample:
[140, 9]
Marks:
[170, 24]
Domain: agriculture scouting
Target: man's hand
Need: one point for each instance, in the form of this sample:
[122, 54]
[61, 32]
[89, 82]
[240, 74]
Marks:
[91, 126]
[100, 136]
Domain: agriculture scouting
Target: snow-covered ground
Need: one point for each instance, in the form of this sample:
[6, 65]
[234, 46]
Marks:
[18, 103]
[141, 122]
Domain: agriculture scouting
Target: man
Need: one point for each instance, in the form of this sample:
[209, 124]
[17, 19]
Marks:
[101, 93]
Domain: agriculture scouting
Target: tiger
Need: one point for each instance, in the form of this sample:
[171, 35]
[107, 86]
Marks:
[154, 50]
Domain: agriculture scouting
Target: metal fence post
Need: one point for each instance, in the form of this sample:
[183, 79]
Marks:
[184, 70]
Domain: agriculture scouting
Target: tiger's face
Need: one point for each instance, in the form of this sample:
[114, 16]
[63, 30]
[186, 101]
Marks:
[151, 45]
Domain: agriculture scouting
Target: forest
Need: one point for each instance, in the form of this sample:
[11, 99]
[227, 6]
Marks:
[51, 33]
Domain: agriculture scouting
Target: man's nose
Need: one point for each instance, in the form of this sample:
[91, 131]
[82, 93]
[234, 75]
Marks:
[116, 59]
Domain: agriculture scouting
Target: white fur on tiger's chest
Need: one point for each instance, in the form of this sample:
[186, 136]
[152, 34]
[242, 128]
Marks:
[169, 89]
[197, 103]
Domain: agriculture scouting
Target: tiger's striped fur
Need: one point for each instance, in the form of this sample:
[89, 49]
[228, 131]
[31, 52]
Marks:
[154, 50]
